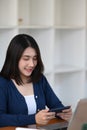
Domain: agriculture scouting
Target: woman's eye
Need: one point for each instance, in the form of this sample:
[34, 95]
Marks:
[28, 58]
[35, 58]
[25, 58]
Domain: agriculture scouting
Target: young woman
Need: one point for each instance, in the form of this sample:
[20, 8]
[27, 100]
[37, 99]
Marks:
[24, 90]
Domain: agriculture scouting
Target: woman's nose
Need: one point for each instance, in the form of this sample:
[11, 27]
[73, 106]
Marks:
[31, 62]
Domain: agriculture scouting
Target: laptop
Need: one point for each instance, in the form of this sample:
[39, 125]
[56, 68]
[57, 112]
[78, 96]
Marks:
[79, 117]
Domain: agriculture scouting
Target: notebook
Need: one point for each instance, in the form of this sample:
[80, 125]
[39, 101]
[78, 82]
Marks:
[79, 117]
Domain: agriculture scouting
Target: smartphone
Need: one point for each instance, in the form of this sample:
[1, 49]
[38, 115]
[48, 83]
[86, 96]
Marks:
[60, 109]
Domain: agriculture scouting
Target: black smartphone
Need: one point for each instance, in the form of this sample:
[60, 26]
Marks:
[60, 109]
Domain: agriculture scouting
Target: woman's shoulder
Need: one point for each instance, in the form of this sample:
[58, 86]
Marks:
[3, 81]
[43, 78]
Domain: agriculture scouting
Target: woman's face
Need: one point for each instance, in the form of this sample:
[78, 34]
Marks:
[27, 62]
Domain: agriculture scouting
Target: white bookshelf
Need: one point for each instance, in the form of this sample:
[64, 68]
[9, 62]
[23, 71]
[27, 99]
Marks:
[60, 29]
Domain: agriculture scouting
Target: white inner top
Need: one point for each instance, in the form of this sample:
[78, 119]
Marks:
[31, 104]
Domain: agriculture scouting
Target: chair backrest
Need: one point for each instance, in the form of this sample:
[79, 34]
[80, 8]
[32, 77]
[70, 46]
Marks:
[79, 117]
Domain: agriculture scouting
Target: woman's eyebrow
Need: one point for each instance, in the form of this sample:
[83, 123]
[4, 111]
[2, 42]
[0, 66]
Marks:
[29, 56]
[25, 56]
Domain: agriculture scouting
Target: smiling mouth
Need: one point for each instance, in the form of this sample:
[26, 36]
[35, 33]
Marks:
[29, 70]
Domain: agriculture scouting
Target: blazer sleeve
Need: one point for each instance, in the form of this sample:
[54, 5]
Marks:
[52, 100]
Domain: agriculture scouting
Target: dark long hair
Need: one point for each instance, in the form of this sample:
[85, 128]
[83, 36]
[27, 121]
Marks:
[15, 50]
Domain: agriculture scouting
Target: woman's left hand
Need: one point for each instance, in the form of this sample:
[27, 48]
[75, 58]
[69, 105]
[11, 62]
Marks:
[65, 114]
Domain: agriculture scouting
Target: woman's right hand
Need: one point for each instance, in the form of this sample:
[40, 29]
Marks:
[43, 116]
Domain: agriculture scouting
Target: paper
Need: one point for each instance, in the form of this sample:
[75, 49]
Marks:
[20, 128]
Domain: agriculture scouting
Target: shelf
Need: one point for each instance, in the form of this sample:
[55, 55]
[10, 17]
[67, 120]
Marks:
[69, 48]
[70, 86]
[8, 13]
[69, 27]
[34, 27]
[70, 13]
[8, 27]
[67, 69]
[38, 12]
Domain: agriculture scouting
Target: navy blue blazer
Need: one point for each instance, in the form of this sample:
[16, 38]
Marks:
[13, 108]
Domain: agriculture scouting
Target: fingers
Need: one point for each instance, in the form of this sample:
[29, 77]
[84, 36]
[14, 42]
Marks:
[66, 114]
[43, 116]
[49, 115]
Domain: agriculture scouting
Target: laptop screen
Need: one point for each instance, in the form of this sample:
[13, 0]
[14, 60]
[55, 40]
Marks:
[79, 117]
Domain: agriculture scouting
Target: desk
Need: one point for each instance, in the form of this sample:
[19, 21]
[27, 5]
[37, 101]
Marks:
[55, 121]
